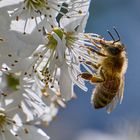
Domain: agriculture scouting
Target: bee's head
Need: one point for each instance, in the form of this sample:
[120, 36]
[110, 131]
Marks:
[114, 47]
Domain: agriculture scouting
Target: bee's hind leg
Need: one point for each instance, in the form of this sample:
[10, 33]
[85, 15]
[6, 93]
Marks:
[85, 75]
[93, 78]
[96, 79]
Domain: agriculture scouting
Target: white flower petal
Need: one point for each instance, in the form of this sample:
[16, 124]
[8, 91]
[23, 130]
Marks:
[4, 3]
[4, 20]
[29, 132]
[76, 25]
[65, 82]
[7, 135]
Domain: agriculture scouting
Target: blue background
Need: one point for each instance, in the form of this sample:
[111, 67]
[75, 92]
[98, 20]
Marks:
[79, 114]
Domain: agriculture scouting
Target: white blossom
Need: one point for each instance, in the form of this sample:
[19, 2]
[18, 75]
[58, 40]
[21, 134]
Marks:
[13, 123]
[53, 68]
[28, 14]
[58, 63]
[12, 47]
[29, 100]
[42, 46]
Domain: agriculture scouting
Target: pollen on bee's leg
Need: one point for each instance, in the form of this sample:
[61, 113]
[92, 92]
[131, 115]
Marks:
[86, 76]
[96, 79]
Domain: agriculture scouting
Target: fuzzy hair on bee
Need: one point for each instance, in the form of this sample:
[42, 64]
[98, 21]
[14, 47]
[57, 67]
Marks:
[109, 72]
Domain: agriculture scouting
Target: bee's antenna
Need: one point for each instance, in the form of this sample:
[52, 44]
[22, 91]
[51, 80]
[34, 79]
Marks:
[111, 35]
[119, 38]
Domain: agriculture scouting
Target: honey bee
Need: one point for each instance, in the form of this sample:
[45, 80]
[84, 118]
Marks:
[109, 72]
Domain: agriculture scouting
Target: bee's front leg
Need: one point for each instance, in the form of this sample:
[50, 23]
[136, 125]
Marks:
[95, 51]
[92, 65]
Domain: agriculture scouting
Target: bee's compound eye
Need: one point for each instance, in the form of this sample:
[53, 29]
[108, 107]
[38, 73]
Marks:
[114, 51]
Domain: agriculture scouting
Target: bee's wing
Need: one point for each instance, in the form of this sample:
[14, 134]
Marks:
[110, 107]
[118, 97]
[121, 91]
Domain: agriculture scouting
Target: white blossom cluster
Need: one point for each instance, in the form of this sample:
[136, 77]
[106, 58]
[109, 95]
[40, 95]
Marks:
[42, 47]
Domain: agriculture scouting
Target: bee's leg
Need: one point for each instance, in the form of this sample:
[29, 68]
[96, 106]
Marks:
[85, 75]
[93, 78]
[102, 73]
[102, 42]
[97, 52]
[92, 65]
[96, 79]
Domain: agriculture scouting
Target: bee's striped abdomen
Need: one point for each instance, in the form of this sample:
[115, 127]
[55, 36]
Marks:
[101, 98]
[104, 93]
